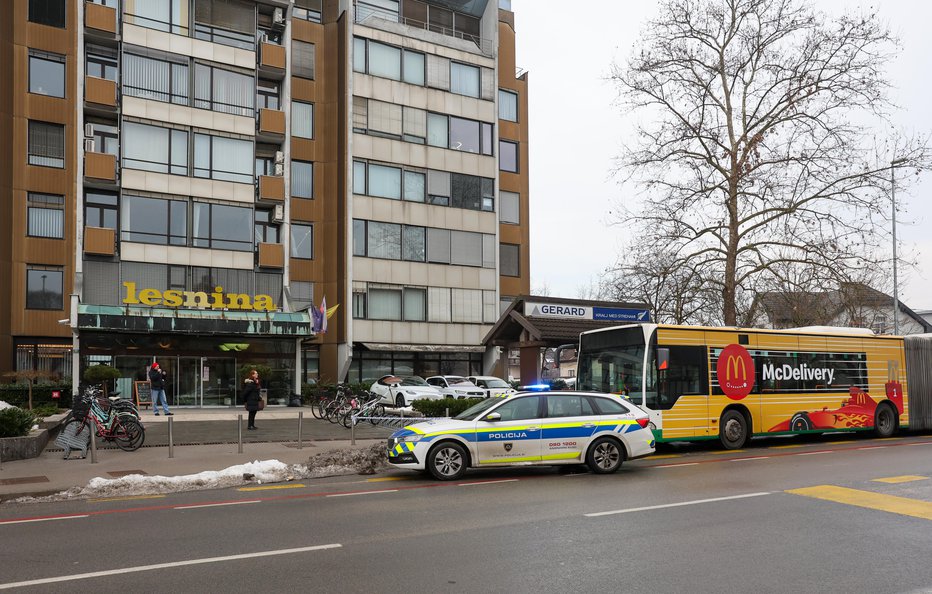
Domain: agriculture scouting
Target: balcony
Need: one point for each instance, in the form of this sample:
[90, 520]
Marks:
[100, 21]
[272, 187]
[271, 60]
[271, 255]
[100, 92]
[99, 241]
[100, 166]
[271, 125]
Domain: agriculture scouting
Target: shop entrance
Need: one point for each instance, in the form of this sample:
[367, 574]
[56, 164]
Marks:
[205, 381]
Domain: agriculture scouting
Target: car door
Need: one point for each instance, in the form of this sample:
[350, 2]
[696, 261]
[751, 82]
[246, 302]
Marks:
[513, 439]
[568, 427]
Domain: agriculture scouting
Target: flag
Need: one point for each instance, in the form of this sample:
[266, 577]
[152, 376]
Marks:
[317, 320]
[323, 315]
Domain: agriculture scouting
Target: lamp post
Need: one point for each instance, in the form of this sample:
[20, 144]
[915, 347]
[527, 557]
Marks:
[896, 300]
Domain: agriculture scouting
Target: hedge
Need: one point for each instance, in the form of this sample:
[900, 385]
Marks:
[18, 394]
[438, 408]
[15, 422]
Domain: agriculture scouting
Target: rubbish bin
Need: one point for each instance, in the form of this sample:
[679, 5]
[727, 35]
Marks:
[264, 395]
[295, 400]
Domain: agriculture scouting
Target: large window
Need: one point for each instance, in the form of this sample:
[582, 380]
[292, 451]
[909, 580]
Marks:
[302, 241]
[302, 179]
[266, 227]
[510, 257]
[47, 12]
[303, 55]
[171, 16]
[391, 302]
[223, 90]
[390, 241]
[508, 105]
[509, 210]
[46, 73]
[302, 119]
[221, 158]
[508, 156]
[152, 148]
[229, 22]
[222, 227]
[44, 289]
[686, 373]
[388, 61]
[461, 248]
[156, 78]
[46, 144]
[45, 215]
[464, 79]
[459, 134]
[100, 209]
[152, 220]
[460, 190]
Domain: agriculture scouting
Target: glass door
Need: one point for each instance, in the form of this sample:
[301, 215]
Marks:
[218, 375]
[188, 382]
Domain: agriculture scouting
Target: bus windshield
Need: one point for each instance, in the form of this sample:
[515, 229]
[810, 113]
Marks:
[613, 361]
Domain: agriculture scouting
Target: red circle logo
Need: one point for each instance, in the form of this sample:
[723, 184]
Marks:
[735, 372]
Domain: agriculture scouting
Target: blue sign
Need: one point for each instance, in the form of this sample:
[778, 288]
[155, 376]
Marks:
[620, 315]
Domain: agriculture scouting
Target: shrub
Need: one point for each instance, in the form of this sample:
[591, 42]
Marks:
[265, 372]
[438, 408]
[18, 394]
[46, 410]
[15, 422]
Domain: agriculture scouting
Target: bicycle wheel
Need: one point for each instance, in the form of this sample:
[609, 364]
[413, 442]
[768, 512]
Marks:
[333, 411]
[319, 408]
[377, 411]
[347, 418]
[128, 434]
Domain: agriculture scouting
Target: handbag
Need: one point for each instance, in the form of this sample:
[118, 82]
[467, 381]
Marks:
[261, 403]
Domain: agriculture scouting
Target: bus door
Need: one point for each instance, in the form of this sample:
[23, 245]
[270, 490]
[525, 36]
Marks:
[681, 395]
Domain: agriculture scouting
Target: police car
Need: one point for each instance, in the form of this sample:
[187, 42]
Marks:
[528, 428]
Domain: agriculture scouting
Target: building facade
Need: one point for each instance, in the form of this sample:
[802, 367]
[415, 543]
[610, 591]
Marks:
[190, 179]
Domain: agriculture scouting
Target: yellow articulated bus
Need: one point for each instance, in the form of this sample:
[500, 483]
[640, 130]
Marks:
[733, 383]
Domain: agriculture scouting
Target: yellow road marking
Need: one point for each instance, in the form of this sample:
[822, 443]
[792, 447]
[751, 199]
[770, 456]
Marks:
[128, 498]
[786, 447]
[664, 456]
[907, 478]
[878, 501]
[272, 487]
[387, 478]
[837, 442]
[728, 452]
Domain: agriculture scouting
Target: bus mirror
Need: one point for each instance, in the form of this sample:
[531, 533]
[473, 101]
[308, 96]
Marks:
[663, 358]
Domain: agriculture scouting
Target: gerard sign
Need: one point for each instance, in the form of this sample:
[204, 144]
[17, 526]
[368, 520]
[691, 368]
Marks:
[579, 312]
[197, 299]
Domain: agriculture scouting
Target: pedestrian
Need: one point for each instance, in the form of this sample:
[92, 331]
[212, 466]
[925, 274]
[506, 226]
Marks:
[157, 379]
[252, 397]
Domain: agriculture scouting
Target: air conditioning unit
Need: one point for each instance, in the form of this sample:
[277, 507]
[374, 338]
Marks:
[263, 37]
[279, 214]
[89, 130]
[279, 158]
[278, 18]
[279, 169]
[89, 145]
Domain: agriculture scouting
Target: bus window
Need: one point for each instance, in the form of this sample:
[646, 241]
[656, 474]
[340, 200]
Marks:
[685, 374]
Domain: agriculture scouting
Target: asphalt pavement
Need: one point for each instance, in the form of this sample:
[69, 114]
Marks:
[202, 439]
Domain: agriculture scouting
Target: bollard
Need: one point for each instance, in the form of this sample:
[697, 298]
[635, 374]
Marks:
[448, 412]
[353, 432]
[171, 439]
[93, 443]
[239, 430]
[300, 423]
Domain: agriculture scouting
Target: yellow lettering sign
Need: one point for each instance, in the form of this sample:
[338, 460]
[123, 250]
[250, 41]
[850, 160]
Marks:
[196, 299]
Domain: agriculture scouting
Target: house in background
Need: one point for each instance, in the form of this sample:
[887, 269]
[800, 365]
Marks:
[852, 305]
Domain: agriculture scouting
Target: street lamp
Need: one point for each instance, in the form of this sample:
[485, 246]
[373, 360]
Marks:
[896, 300]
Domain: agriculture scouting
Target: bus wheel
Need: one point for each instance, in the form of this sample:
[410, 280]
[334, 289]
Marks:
[884, 421]
[800, 422]
[733, 430]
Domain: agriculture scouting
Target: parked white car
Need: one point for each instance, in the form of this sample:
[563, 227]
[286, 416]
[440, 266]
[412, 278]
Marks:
[402, 391]
[494, 387]
[455, 386]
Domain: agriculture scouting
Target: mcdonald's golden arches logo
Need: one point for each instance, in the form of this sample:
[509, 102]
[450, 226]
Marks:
[735, 371]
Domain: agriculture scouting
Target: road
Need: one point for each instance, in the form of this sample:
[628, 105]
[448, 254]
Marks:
[782, 515]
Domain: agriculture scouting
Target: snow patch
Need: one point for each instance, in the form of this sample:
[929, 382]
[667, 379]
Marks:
[4, 405]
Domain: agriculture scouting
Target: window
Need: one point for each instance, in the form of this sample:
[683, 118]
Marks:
[568, 406]
[100, 209]
[268, 93]
[471, 192]
[389, 240]
[101, 62]
[221, 158]
[383, 9]
[610, 407]
[359, 177]
[387, 61]
[464, 79]
[47, 12]
[459, 134]
[152, 148]
[307, 10]
[46, 144]
[510, 258]
[508, 156]
[302, 241]
[359, 237]
[384, 182]
[415, 186]
[46, 73]
[413, 68]
[520, 409]
[266, 228]
[465, 248]
[438, 130]
[154, 78]
[384, 304]
[44, 288]
[685, 374]
[230, 22]
[359, 305]
[45, 215]
[302, 119]
[383, 240]
[223, 90]
[302, 59]
[222, 227]
[509, 208]
[170, 16]
[507, 105]
[152, 220]
[415, 304]
[302, 179]
[413, 243]
[106, 139]
[384, 60]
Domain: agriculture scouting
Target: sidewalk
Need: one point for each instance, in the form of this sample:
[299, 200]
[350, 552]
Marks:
[204, 439]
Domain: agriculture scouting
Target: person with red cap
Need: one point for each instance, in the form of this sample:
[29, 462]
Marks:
[157, 379]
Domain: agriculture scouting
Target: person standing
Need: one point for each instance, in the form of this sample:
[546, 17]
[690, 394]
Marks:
[157, 379]
[252, 397]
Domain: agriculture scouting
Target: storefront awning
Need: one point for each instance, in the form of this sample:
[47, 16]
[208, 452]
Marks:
[116, 318]
[422, 348]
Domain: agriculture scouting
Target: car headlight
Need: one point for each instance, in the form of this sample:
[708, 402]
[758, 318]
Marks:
[409, 438]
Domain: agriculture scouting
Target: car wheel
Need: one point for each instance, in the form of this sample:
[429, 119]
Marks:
[884, 421]
[605, 456]
[800, 422]
[399, 401]
[447, 461]
[733, 430]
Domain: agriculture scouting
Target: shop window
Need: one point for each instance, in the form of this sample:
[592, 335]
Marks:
[152, 148]
[158, 79]
[510, 258]
[47, 12]
[222, 227]
[156, 221]
[53, 359]
[46, 73]
[302, 179]
[45, 215]
[222, 158]
[44, 287]
[302, 241]
[46, 144]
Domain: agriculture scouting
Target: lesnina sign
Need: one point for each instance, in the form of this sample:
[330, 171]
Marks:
[578, 312]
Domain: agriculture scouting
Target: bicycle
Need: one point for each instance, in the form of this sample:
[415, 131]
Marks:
[369, 406]
[110, 424]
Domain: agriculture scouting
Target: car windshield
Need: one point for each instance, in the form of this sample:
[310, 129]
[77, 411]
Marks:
[496, 383]
[459, 381]
[474, 411]
[413, 380]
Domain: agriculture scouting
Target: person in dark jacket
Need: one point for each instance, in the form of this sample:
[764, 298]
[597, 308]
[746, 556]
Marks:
[157, 379]
[252, 396]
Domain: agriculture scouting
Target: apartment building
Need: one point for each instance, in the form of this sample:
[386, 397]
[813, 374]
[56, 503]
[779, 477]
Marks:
[187, 179]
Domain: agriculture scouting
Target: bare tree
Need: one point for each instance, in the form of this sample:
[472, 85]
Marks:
[750, 153]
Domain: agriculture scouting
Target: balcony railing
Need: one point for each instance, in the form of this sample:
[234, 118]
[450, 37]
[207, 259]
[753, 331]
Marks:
[365, 14]
[99, 241]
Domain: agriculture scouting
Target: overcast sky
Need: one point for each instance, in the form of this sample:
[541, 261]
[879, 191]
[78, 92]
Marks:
[576, 132]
